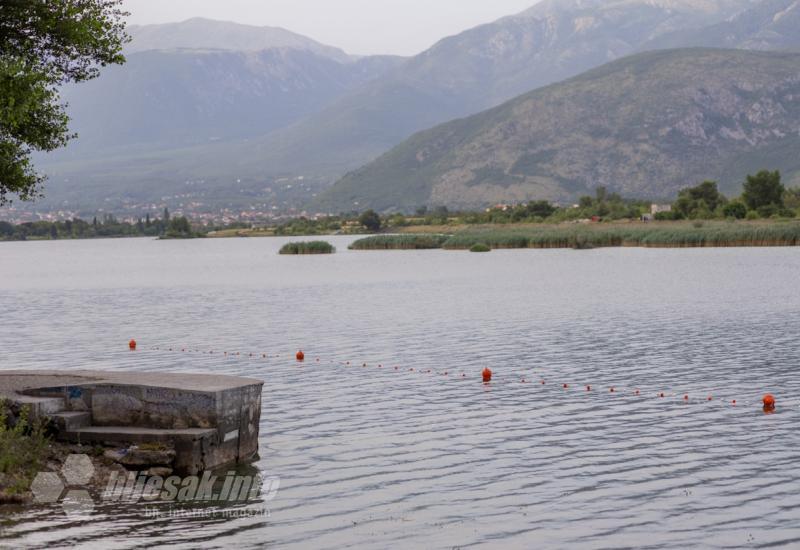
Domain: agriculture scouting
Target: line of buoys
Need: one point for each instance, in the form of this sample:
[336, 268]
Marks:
[768, 400]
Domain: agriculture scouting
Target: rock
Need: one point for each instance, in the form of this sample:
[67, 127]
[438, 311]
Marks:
[160, 471]
[136, 457]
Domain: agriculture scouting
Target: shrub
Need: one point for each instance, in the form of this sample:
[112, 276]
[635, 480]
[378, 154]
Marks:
[371, 220]
[23, 451]
[400, 242]
[312, 247]
[736, 210]
[480, 247]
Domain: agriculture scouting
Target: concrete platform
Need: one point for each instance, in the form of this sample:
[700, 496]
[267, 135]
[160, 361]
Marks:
[212, 420]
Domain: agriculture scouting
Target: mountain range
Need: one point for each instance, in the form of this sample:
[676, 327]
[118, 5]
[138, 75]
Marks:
[229, 114]
[644, 126]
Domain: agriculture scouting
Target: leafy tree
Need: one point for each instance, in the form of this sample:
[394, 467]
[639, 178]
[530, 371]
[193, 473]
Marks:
[180, 225]
[791, 199]
[699, 202]
[371, 220]
[44, 44]
[764, 190]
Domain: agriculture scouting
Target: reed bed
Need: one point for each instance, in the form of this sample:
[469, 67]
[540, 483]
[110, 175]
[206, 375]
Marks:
[719, 234]
[311, 247]
[400, 242]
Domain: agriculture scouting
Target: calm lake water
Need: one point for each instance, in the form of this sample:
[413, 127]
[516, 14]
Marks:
[376, 457]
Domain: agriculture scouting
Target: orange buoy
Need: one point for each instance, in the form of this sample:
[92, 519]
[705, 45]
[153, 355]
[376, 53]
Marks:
[686, 398]
[588, 388]
[487, 374]
[661, 395]
[611, 390]
[132, 345]
[769, 403]
[734, 403]
[300, 356]
[710, 398]
[637, 392]
[566, 386]
[543, 382]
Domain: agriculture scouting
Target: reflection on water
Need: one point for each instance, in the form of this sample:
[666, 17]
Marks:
[380, 457]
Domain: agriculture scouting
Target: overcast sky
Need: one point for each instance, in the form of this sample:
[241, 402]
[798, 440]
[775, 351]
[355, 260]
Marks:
[402, 27]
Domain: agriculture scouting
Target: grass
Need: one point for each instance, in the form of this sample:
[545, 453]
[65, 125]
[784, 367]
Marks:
[668, 234]
[311, 247]
[584, 237]
[23, 452]
[400, 242]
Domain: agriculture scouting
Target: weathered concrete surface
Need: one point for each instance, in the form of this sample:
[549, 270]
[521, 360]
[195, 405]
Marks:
[212, 420]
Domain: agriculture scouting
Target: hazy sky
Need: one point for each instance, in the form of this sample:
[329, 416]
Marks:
[358, 26]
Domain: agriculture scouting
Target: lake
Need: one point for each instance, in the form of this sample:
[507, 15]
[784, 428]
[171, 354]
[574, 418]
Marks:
[375, 457]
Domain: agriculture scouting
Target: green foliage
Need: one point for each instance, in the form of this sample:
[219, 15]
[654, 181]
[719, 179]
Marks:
[77, 228]
[480, 247]
[42, 46]
[791, 199]
[305, 226]
[23, 450]
[179, 228]
[764, 191]
[699, 202]
[312, 247]
[649, 235]
[371, 220]
[400, 242]
[735, 209]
